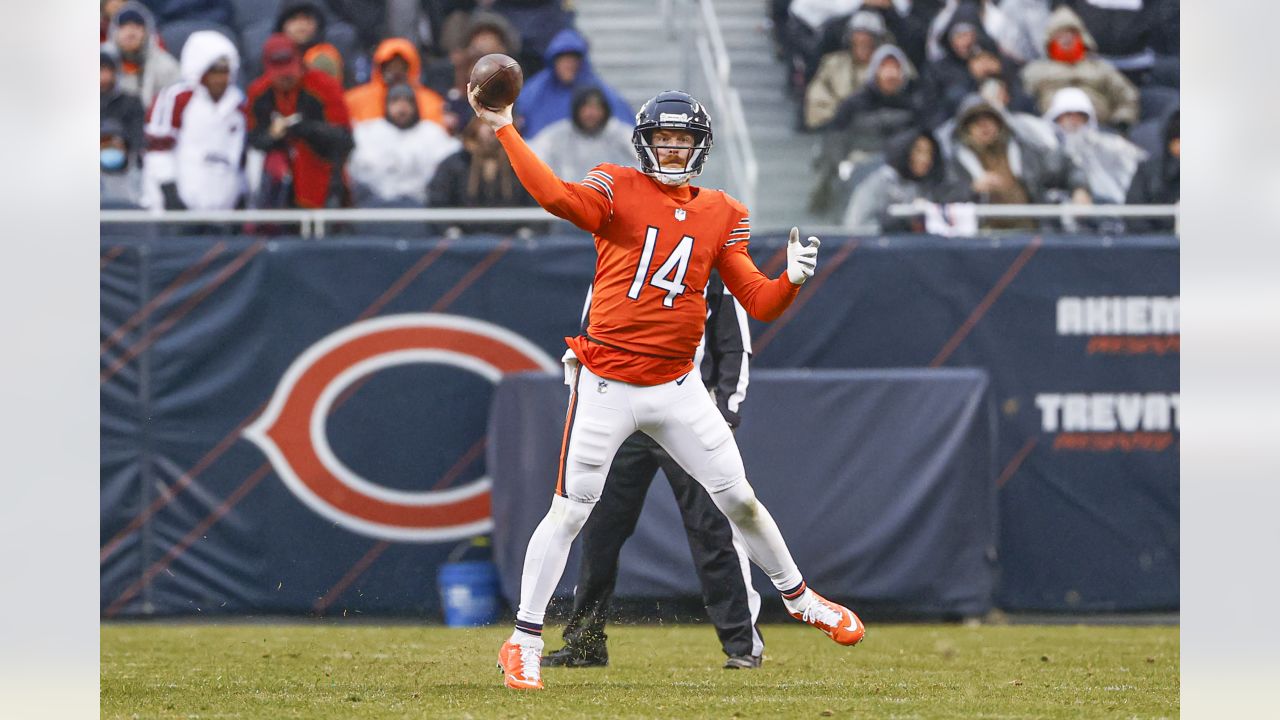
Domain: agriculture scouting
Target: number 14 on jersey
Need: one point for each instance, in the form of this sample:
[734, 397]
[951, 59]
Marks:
[670, 275]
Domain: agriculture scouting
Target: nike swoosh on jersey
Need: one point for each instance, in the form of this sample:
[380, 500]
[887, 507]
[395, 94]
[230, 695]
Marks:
[681, 380]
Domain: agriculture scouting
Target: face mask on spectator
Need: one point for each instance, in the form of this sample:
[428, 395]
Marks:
[1067, 47]
[112, 159]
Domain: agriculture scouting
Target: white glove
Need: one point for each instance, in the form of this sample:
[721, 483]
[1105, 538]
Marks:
[801, 259]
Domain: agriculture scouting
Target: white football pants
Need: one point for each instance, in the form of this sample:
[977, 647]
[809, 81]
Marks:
[681, 417]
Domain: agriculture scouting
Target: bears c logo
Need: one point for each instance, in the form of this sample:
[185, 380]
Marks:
[292, 432]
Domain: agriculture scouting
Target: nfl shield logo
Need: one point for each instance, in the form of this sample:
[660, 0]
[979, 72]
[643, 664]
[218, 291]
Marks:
[680, 214]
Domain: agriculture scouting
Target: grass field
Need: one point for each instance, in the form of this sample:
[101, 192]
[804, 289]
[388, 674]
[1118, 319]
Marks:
[899, 671]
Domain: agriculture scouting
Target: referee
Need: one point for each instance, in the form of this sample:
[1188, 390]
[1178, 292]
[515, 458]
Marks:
[719, 557]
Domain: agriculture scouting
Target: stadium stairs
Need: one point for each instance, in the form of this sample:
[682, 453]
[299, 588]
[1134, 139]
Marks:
[638, 55]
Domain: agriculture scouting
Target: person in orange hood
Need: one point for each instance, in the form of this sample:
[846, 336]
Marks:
[395, 61]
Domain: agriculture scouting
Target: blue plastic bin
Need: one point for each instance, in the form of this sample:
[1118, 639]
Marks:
[469, 593]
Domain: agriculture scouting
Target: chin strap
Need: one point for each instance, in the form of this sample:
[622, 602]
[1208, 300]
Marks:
[672, 179]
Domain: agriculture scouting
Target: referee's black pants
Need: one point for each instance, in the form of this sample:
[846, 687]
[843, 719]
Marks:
[720, 570]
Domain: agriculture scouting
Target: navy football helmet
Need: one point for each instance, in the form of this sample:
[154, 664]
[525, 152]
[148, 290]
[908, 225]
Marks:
[678, 111]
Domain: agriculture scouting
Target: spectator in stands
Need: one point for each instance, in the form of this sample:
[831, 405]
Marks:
[297, 117]
[1107, 160]
[395, 62]
[210, 11]
[996, 24]
[887, 102]
[590, 136]
[466, 38]
[812, 27]
[308, 24]
[914, 171]
[145, 68]
[548, 95]
[1002, 168]
[1156, 181]
[119, 178]
[844, 71]
[972, 59]
[489, 32]
[303, 22]
[995, 90]
[397, 155]
[115, 104]
[1071, 63]
[196, 132]
[863, 123]
[1123, 32]
[478, 175]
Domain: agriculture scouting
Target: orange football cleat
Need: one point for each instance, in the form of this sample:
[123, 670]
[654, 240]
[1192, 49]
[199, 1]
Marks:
[837, 621]
[521, 666]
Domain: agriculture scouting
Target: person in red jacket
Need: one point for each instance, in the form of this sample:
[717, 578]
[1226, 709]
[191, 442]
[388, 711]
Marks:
[657, 239]
[298, 118]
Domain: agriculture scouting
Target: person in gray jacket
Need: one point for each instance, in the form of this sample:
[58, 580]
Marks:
[145, 68]
[1002, 167]
[589, 136]
[914, 170]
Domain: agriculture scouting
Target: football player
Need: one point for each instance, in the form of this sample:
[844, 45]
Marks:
[722, 361]
[657, 240]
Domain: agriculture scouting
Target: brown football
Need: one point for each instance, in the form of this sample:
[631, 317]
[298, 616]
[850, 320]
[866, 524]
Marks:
[499, 79]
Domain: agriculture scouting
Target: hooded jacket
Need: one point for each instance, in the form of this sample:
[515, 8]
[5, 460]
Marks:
[839, 75]
[545, 99]
[1107, 160]
[894, 183]
[869, 117]
[154, 71]
[1114, 98]
[1038, 169]
[392, 164]
[570, 152]
[369, 101]
[194, 142]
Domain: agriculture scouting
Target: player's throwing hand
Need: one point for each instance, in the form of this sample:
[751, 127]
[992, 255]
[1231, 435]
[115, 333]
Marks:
[493, 118]
[801, 259]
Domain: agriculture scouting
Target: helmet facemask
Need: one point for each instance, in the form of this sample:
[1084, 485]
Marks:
[650, 156]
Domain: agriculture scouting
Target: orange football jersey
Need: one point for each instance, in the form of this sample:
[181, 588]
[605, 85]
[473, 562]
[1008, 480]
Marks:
[656, 247]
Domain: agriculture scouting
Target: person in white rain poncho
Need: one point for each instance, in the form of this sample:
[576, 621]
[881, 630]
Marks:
[195, 132]
[1108, 160]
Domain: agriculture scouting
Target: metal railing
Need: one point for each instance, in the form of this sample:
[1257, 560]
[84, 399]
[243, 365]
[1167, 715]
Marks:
[1051, 211]
[730, 120]
[1068, 213]
[314, 223]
